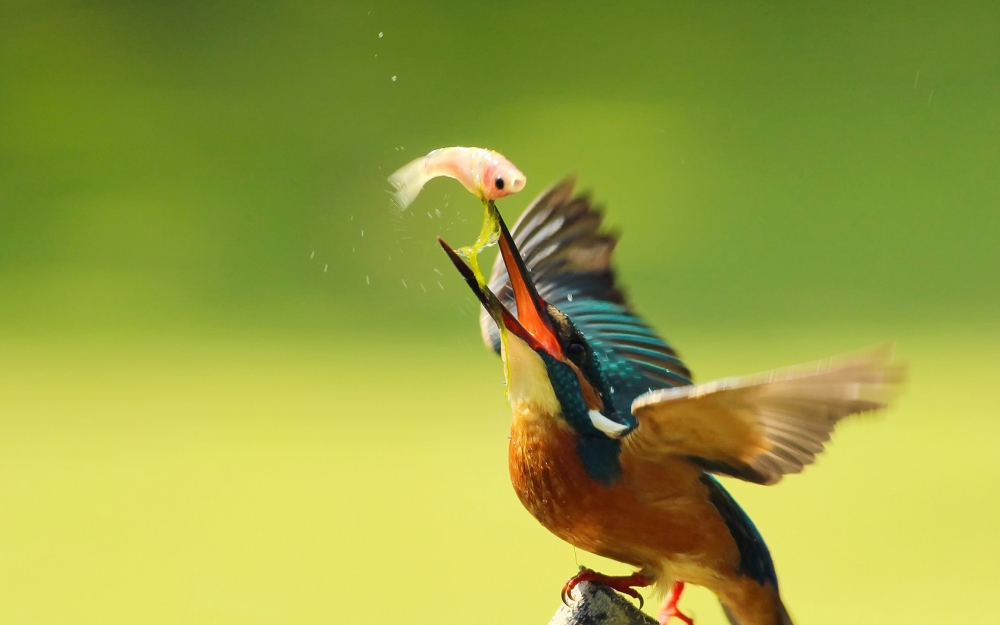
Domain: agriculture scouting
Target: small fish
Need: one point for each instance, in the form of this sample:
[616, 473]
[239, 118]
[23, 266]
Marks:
[485, 173]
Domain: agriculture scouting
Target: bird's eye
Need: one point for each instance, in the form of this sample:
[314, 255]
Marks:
[499, 183]
[575, 351]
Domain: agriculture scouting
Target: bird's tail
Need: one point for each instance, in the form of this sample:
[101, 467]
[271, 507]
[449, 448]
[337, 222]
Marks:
[408, 180]
[781, 616]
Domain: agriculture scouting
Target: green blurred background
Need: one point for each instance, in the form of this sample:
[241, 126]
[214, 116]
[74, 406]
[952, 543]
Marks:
[234, 387]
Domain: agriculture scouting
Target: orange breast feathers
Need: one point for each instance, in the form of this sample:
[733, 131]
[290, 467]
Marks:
[654, 517]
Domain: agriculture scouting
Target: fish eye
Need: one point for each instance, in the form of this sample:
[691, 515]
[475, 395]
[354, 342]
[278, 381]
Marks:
[576, 351]
[499, 183]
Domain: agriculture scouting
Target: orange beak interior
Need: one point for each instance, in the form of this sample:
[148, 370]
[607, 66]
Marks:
[532, 323]
[530, 306]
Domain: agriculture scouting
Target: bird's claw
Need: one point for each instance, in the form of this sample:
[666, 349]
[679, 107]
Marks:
[632, 592]
[624, 584]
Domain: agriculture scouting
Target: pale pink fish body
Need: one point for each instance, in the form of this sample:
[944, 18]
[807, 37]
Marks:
[486, 174]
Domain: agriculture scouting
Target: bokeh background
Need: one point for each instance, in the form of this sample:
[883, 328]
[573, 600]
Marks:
[237, 387]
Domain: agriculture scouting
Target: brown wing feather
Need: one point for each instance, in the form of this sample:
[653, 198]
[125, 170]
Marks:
[764, 426]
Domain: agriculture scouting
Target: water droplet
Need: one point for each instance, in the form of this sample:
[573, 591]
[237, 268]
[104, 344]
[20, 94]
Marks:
[380, 35]
[393, 79]
[368, 280]
[440, 285]
[362, 233]
[423, 287]
[437, 211]
[404, 284]
[311, 256]
[325, 267]
[570, 297]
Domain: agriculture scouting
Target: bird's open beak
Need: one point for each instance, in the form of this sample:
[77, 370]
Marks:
[532, 324]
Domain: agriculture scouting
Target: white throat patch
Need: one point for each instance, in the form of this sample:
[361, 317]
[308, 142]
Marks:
[528, 384]
[606, 425]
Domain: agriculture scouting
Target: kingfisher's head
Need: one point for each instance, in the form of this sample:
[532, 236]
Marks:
[552, 370]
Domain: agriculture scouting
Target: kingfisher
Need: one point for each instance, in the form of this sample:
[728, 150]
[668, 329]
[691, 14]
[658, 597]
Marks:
[614, 449]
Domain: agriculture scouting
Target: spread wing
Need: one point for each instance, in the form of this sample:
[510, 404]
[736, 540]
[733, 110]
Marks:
[761, 427]
[569, 259]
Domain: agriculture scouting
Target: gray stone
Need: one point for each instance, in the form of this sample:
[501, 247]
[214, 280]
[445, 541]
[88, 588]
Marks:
[596, 604]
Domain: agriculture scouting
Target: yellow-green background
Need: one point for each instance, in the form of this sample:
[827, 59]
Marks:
[220, 404]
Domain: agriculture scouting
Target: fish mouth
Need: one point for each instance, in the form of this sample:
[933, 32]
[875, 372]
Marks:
[532, 323]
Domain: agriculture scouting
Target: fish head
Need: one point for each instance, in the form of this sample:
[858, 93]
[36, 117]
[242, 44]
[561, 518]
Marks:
[501, 178]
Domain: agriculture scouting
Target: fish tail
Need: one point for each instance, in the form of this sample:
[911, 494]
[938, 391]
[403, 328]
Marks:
[409, 180]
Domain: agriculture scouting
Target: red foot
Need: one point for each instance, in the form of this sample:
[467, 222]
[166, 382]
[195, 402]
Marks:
[623, 584]
[669, 608]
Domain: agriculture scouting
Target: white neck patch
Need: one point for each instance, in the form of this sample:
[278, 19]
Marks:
[606, 425]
